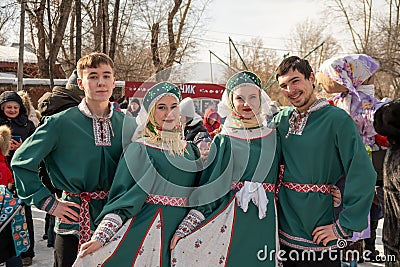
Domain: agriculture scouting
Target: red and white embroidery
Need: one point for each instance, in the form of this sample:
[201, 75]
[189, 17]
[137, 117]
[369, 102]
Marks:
[107, 228]
[267, 186]
[166, 200]
[307, 188]
[189, 223]
[84, 216]
[342, 233]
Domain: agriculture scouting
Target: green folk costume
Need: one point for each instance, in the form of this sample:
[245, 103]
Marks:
[146, 197]
[328, 147]
[229, 236]
[75, 163]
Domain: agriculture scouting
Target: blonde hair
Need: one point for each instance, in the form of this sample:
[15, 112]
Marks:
[26, 100]
[172, 139]
[328, 84]
[5, 138]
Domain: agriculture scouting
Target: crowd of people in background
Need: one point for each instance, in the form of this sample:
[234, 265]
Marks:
[151, 182]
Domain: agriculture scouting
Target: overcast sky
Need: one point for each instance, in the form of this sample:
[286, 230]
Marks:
[272, 20]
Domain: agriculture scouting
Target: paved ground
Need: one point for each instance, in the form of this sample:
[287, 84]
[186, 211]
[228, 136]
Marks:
[44, 255]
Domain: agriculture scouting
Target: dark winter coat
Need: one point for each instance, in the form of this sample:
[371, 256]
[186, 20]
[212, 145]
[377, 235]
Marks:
[20, 125]
[387, 123]
[391, 188]
[57, 100]
[191, 130]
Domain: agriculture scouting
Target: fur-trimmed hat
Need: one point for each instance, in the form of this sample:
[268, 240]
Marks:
[26, 100]
[5, 137]
[30, 110]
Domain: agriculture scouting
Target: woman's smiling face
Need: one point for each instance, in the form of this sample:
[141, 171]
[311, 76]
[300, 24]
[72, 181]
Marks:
[246, 100]
[166, 112]
[11, 109]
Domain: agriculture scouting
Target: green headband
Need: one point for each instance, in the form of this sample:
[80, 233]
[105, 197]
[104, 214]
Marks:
[242, 78]
[158, 90]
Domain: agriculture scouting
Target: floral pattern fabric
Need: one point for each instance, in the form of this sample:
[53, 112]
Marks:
[351, 72]
[209, 244]
[99, 257]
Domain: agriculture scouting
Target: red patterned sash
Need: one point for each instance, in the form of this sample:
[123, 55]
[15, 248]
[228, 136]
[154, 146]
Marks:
[267, 187]
[84, 217]
[307, 188]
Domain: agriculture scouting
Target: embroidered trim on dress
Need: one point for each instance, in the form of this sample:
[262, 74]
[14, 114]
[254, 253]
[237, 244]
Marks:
[298, 121]
[189, 223]
[267, 186]
[53, 207]
[107, 228]
[46, 202]
[342, 232]
[335, 232]
[299, 247]
[156, 223]
[300, 239]
[308, 188]
[166, 200]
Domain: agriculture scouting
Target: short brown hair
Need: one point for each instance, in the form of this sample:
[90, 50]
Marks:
[93, 60]
[294, 63]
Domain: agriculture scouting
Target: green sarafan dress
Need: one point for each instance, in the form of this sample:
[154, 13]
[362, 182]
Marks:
[230, 236]
[148, 195]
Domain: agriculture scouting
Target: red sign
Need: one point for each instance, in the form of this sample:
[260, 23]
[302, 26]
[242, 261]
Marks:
[193, 90]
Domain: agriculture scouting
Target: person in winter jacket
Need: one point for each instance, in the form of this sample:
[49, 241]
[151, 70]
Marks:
[192, 122]
[134, 107]
[8, 253]
[61, 98]
[14, 115]
[387, 123]
[81, 147]
[212, 121]
[6, 177]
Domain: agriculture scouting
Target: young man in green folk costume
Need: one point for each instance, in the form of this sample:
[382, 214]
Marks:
[320, 143]
[81, 148]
